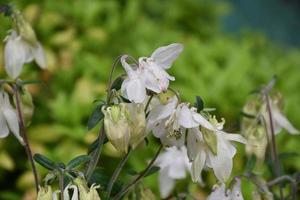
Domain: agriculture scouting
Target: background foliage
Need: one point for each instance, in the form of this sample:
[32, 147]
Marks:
[82, 38]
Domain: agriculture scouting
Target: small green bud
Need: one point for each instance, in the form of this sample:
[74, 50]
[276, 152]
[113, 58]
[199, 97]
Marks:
[45, 193]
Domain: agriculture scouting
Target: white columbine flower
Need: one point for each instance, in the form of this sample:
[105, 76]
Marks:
[8, 118]
[212, 148]
[173, 165]
[18, 51]
[169, 122]
[219, 192]
[150, 73]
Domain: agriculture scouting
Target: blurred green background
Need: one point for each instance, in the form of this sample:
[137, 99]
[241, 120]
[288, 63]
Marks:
[228, 53]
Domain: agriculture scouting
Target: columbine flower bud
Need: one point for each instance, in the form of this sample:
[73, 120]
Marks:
[45, 193]
[117, 127]
[137, 124]
[85, 192]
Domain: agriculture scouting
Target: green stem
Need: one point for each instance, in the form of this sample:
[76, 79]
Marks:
[25, 138]
[148, 103]
[138, 178]
[117, 172]
[61, 185]
[96, 154]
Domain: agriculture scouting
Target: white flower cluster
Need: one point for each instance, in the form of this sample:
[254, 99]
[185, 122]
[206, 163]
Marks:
[196, 140]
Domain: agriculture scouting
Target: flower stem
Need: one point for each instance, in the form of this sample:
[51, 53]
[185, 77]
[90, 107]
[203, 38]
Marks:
[61, 184]
[138, 178]
[96, 154]
[25, 138]
[117, 172]
[273, 144]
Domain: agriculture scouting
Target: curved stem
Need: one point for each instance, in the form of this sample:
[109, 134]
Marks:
[117, 172]
[114, 65]
[176, 94]
[138, 178]
[273, 144]
[96, 154]
[25, 138]
[148, 103]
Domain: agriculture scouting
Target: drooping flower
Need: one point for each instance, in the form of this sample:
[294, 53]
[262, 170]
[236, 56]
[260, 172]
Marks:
[8, 118]
[149, 73]
[22, 47]
[169, 122]
[174, 164]
[212, 148]
[220, 192]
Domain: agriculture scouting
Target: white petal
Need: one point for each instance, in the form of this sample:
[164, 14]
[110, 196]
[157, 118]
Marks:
[12, 121]
[11, 117]
[14, 57]
[161, 112]
[166, 55]
[135, 90]
[193, 141]
[159, 130]
[125, 65]
[202, 121]
[39, 56]
[222, 162]
[282, 121]
[234, 137]
[166, 184]
[3, 127]
[198, 165]
[185, 116]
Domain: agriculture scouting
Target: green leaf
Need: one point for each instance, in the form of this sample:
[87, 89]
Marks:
[116, 85]
[101, 177]
[96, 116]
[247, 115]
[199, 104]
[79, 160]
[152, 170]
[250, 163]
[44, 161]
